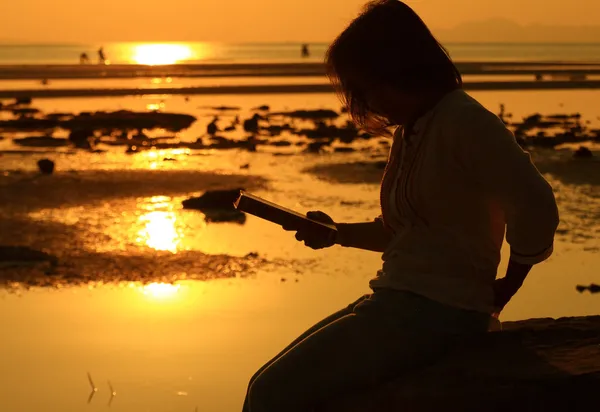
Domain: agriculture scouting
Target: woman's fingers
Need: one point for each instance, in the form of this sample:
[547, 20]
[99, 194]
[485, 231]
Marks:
[319, 216]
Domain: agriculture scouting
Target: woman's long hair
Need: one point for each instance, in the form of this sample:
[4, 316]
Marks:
[387, 46]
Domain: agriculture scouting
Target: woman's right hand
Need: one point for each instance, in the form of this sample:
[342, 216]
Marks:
[312, 239]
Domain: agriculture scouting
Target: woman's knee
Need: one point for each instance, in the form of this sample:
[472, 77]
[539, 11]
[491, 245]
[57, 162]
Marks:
[268, 393]
[258, 394]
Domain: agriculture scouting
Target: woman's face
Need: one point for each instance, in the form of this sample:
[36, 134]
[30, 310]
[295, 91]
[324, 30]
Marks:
[392, 104]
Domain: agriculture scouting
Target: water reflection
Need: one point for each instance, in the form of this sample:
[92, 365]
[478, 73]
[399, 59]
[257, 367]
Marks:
[160, 229]
[160, 290]
[154, 54]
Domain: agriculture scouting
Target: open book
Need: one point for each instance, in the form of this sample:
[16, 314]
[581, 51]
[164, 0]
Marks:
[280, 215]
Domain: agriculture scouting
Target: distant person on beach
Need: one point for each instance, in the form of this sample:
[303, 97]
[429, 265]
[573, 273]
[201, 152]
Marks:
[305, 51]
[455, 181]
[84, 58]
[101, 56]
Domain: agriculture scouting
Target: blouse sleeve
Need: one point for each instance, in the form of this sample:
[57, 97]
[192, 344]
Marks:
[494, 158]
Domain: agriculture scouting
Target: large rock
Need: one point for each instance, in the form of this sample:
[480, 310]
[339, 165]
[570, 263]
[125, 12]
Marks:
[46, 166]
[217, 206]
[21, 255]
[533, 365]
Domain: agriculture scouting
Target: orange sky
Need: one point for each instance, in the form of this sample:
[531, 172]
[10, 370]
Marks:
[256, 20]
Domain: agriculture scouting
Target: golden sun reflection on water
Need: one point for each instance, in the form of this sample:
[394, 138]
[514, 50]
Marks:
[160, 290]
[155, 54]
[160, 229]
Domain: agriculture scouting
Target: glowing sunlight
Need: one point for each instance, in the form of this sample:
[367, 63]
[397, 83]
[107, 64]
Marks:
[155, 54]
[159, 231]
[160, 290]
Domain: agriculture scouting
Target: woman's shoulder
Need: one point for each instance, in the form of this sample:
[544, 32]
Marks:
[463, 110]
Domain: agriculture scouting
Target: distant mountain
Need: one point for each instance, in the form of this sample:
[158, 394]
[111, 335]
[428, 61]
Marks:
[504, 30]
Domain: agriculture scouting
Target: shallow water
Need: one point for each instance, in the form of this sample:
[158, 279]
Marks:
[195, 344]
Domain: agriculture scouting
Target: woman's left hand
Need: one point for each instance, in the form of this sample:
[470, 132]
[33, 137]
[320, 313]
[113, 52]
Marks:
[315, 240]
[504, 290]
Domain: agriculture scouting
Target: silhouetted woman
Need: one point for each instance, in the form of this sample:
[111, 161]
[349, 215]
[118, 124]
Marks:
[455, 180]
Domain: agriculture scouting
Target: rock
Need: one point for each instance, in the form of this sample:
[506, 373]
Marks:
[281, 143]
[222, 216]
[532, 365]
[316, 147]
[583, 153]
[21, 255]
[25, 111]
[46, 166]
[319, 114]
[593, 288]
[222, 108]
[251, 125]
[263, 108]
[23, 101]
[41, 141]
[169, 159]
[344, 149]
[246, 166]
[212, 127]
[82, 138]
[217, 205]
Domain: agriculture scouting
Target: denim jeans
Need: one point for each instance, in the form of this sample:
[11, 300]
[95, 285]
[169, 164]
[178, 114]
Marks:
[379, 337]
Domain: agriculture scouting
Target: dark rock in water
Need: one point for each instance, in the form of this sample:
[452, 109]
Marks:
[316, 147]
[25, 111]
[274, 130]
[215, 199]
[281, 143]
[251, 125]
[41, 141]
[593, 288]
[169, 159]
[121, 120]
[263, 108]
[221, 216]
[344, 149]
[583, 153]
[21, 255]
[59, 116]
[217, 205]
[29, 124]
[46, 166]
[212, 127]
[23, 101]
[82, 138]
[246, 166]
[320, 114]
[222, 108]
[125, 119]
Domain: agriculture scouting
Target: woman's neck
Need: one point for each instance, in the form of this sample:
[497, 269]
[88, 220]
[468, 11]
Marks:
[423, 104]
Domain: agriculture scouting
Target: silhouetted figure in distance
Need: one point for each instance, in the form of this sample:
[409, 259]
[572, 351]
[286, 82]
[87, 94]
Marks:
[455, 183]
[305, 51]
[101, 56]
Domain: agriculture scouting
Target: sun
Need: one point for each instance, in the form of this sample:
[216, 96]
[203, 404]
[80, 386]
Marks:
[155, 54]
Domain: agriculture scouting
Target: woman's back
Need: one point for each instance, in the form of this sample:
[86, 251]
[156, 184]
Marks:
[452, 197]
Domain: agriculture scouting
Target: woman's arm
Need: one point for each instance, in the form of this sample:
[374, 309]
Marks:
[501, 167]
[371, 236]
